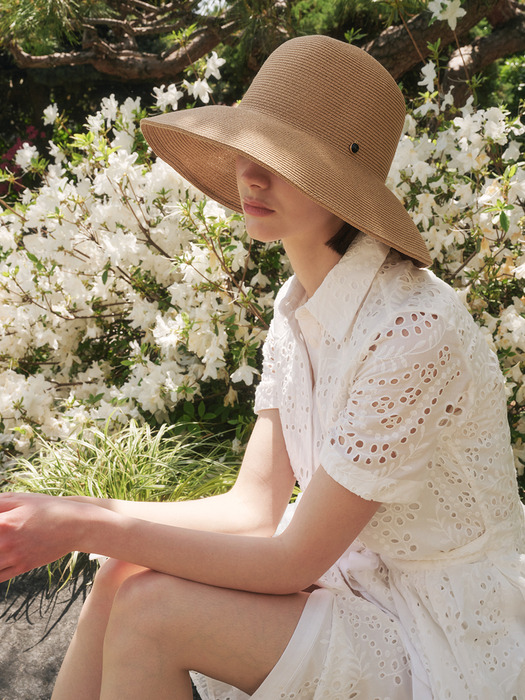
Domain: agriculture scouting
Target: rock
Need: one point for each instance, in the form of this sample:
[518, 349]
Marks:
[37, 622]
[36, 625]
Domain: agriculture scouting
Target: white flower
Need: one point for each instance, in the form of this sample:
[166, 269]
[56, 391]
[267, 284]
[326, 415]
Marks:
[25, 155]
[434, 6]
[495, 127]
[199, 90]
[422, 171]
[452, 13]
[244, 373]
[468, 126]
[121, 164]
[123, 140]
[56, 152]
[167, 331]
[519, 272]
[213, 63]
[109, 109]
[448, 100]
[95, 123]
[429, 76]
[237, 445]
[512, 152]
[425, 108]
[128, 111]
[167, 97]
[50, 114]
[449, 10]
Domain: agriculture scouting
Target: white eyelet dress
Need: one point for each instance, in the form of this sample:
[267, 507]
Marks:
[383, 378]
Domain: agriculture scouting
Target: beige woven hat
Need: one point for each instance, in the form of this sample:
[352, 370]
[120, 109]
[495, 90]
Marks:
[322, 114]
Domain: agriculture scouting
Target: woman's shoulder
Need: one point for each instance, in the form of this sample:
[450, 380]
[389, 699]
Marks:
[400, 285]
[409, 309]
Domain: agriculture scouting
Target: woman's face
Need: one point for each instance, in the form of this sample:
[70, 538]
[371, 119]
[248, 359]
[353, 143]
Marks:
[275, 210]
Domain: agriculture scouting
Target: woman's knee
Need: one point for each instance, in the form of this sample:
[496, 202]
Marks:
[108, 580]
[151, 605]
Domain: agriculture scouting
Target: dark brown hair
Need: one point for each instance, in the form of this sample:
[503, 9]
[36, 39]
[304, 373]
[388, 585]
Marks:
[343, 239]
[340, 241]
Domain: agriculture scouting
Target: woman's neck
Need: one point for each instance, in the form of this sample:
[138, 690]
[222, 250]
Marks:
[310, 263]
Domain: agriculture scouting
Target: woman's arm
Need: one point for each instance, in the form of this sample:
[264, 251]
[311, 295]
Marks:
[253, 506]
[327, 520]
[37, 529]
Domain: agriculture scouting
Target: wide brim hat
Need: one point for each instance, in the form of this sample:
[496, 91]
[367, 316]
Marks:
[322, 114]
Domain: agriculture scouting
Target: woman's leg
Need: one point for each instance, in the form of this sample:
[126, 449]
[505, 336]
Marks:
[81, 672]
[215, 619]
[161, 627]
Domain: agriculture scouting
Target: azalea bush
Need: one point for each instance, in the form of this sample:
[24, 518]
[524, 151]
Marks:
[126, 294]
[123, 292]
[461, 175]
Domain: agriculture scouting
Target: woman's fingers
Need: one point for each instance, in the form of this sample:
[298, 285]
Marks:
[8, 501]
[34, 530]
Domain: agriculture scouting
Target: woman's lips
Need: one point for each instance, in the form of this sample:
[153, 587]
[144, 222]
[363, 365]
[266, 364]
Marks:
[256, 208]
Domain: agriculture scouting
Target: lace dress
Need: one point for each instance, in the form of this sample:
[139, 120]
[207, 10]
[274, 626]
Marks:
[383, 378]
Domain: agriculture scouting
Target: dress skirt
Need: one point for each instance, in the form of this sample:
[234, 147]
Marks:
[343, 648]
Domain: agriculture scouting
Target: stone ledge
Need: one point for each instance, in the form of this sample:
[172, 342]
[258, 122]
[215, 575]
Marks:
[36, 626]
[37, 623]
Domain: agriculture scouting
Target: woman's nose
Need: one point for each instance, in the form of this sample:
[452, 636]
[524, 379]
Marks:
[251, 174]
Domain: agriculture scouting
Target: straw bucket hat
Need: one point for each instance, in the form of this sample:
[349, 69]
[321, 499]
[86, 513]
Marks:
[322, 114]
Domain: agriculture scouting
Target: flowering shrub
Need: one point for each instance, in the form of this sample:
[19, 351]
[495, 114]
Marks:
[14, 162]
[124, 293]
[461, 175]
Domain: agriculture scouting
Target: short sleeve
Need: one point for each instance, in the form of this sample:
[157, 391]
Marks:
[409, 391]
[267, 393]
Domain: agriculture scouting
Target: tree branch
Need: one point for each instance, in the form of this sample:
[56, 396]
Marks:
[130, 64]
[394, 48]
[507, 39]
[135, 27]
[398, 48]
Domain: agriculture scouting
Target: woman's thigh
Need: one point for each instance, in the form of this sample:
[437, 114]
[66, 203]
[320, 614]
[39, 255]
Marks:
[233, 636]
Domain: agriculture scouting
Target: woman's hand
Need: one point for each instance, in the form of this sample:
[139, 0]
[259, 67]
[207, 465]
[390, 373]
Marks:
[36, 529]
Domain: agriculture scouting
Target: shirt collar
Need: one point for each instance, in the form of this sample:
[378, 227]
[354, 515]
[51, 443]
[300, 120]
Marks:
[340, 295]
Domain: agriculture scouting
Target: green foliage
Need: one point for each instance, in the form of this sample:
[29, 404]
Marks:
[137, 463]
[505, 84]
[175, 463]
[397, 11]
[40, 26]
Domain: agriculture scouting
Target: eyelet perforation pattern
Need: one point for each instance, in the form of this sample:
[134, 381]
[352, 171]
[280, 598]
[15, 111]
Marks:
[409, 409]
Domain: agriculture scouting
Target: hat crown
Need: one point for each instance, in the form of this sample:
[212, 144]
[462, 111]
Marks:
[336, 92]
[323, 116]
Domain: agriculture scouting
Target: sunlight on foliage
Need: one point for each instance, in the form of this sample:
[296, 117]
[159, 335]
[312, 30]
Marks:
[126, 294]
[174, 463]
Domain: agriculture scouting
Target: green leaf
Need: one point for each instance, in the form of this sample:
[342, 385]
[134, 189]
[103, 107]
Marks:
[189, 410]
[92, 399]
[504, 221]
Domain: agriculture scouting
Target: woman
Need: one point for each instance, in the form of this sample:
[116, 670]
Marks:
[378, 395]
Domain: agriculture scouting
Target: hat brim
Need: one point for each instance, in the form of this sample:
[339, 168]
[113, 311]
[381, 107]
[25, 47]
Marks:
[201, 144]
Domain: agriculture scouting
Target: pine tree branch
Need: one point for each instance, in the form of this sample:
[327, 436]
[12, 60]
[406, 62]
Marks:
[394, 47]
[129, 64]
[507, 38]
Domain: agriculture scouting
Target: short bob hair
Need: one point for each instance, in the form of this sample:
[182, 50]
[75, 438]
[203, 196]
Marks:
[341, 241]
